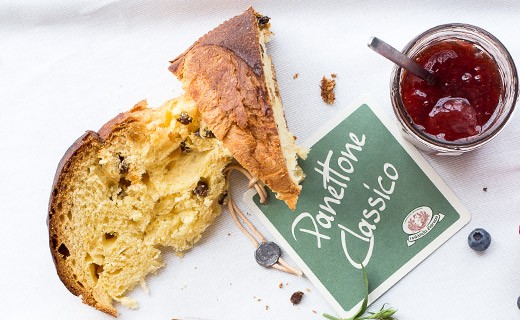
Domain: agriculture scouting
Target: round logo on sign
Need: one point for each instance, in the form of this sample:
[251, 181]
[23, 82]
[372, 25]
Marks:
[417, 220]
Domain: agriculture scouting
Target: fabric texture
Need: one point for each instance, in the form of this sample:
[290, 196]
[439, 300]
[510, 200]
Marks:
[69, 66]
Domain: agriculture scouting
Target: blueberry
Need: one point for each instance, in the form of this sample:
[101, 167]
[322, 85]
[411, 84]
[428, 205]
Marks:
[479, 239]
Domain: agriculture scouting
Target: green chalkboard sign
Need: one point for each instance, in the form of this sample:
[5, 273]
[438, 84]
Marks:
[367, 192]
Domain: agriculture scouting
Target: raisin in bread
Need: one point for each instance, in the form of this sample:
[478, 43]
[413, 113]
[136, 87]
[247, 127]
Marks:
[232, 79]
[148, 178]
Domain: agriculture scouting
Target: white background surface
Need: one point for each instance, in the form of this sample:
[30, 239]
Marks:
[66, 67]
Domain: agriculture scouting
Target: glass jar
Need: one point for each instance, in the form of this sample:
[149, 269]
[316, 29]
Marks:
[506, 102]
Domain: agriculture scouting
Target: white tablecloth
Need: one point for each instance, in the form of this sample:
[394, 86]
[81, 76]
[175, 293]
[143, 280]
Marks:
[69, 66]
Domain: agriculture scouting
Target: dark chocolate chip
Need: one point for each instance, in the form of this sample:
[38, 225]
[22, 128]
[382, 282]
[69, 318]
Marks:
[201, 189]
[223, 198]
[262, 21]
[209, 134]
[185, 118]
[184, 147]
[110, 235]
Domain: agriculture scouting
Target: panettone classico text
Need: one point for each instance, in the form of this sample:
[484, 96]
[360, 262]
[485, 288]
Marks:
[336, 179]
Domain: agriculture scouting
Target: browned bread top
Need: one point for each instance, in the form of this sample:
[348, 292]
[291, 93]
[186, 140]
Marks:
[230, 76]
[239, 35]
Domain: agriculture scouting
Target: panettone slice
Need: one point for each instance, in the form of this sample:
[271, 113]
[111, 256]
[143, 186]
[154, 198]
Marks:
[232, 79]
[150, 178]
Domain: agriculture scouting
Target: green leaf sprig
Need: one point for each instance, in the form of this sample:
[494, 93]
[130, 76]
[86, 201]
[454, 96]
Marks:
[382, 314]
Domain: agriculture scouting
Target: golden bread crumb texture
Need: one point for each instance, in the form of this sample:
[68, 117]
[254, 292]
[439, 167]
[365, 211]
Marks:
[155, 180]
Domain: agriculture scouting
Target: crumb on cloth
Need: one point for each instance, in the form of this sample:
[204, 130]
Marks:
[327, 89]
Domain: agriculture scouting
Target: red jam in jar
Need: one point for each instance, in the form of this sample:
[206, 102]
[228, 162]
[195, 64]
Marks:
[464, 96]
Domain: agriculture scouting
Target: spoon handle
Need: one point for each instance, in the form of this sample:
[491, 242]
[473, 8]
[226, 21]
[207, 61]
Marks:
[400, 59]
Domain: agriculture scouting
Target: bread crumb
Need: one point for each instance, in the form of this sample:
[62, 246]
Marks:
[314, 311]
[333, 75]
[295, 76]
[266, 307]
[280, 285]
[308, 290]
[327, 90]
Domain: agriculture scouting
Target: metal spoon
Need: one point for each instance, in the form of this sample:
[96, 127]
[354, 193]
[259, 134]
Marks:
[400, 59]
